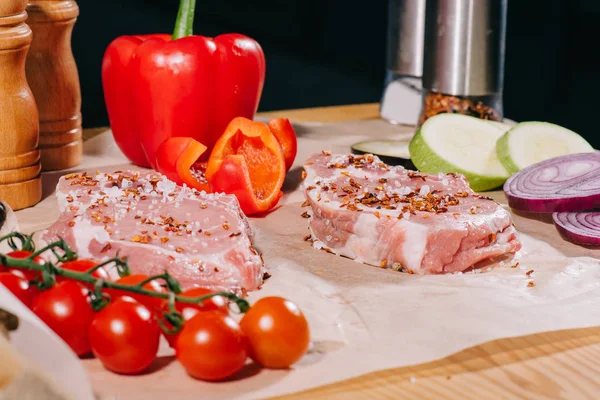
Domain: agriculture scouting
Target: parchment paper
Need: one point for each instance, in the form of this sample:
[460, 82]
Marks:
[364, 318]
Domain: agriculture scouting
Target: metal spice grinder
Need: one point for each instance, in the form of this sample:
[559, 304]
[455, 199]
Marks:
[401, 100]
[463, 63]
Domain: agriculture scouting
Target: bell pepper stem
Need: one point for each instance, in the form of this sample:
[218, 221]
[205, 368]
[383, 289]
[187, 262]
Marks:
[184, 25]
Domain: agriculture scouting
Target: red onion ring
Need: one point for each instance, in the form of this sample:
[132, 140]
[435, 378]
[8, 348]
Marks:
[579, 227]
[565, 183]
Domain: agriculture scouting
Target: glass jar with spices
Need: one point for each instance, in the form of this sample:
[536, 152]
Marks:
[463, 67]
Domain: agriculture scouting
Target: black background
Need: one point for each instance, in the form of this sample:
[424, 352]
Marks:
[330, 52]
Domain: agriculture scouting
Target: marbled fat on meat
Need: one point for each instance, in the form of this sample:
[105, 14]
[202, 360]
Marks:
[200, 239]
[392, 217]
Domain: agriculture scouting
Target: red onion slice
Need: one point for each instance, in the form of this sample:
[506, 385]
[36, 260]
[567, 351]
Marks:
[565, 183]
[579, 227]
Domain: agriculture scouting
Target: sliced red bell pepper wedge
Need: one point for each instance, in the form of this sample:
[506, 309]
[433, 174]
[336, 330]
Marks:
[285, 134]
[177, 159]
[248, 161]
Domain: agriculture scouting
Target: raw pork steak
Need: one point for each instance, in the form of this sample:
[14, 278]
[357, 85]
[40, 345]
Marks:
[395, 218]
[200, 239]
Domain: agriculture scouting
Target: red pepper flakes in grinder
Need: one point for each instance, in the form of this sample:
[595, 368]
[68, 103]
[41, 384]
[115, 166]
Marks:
[439, 103]
[463, 66]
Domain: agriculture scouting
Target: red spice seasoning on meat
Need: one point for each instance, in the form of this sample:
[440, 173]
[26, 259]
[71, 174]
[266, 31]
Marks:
[153, 222]
[372, 208]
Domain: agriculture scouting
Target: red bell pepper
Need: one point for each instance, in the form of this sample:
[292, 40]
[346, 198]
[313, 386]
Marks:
[193, 86]
[248, 161]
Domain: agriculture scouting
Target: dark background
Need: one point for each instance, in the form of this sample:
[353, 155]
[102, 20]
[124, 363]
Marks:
[331, 52]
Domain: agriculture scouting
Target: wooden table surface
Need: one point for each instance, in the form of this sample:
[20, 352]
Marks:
[551, 365]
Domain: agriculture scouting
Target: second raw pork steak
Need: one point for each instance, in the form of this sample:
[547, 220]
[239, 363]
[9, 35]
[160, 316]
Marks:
[395, 218]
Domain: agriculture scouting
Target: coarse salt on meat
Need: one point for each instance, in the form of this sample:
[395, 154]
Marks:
[160, 227]
[395, 218]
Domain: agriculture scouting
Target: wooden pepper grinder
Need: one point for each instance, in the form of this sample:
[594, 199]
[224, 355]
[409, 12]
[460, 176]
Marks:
[20, 182]
[54, 80]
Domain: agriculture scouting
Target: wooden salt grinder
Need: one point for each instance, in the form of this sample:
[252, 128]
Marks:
[54, 80]
[20, 181]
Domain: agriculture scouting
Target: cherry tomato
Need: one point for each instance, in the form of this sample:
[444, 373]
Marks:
[153, 303]
[29, 274]
[18, 285]
[188, 310]
[211, 346]
[277, 332]
[125, 336]
[215, 303]
[82, 266]
[66, 310]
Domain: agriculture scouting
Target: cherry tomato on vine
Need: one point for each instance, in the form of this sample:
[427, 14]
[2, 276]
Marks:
[66, 310]
[83, 265]
[188, 310]
[125, 336]
[211, 346]
[29, 274]
[153, 303]
[18, 285]
[215, 303]
[277, 332]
